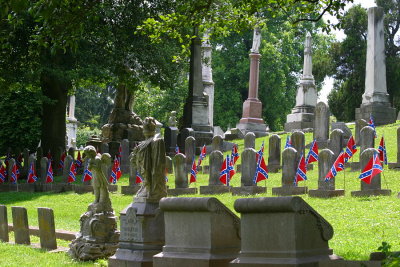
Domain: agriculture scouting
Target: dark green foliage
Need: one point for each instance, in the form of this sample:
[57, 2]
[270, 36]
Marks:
[20, 122]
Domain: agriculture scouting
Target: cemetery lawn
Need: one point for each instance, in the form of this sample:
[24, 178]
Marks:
[360, 224]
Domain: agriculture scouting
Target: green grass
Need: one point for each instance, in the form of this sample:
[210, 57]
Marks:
[360, 224]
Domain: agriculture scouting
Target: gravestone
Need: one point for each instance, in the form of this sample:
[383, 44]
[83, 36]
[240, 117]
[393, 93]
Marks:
[125, 156]
[252, 120]
[299, 144]
[67, 166]
[326, 189]
[274, 155]
[215, 186]
[43, 169]
[248, 170]
[373, 189]
[289, 168]
[250, 140]
[217, 143]
[282, 231]
[233, 134]
[342, 126]
[47, 229]
[213, 238]
[181, 178]
[3, 224]
[396, 165]
[375, 100]
[367, 138]
[190, 150]
[20, 225]
[359, 125]
[321, 124]
[302, 116]
[169, 164]
[142, 221]
[336, 142]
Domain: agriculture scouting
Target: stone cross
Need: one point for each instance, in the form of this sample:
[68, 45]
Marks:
[321, 124]
[190, 149]
[289, 166]
[274, 155]
[216, 159]
[250, 140]
[249, 165]
[336, 142]
[217, 143]
[21, 226]
[181, 176]
[367, 138]
[47, 229]
[3, 224]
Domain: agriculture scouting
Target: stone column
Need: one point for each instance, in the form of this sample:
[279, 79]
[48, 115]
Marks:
[252, 120]
[208, 83]
[72, 123]
[375, 99]
[302, 116]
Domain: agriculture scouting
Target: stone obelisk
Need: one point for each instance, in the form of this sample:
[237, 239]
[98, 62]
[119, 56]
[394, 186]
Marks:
[251, 120]
[208, 82]
[302, 116]
[375, 100]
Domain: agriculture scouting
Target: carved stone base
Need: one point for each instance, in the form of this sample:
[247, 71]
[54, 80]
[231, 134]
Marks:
[326, 193]
[373, 192]
[98, 237]
[214, 189]
[289, 190]
[130, 190]
[259, 129]
[248, 190]
[142, 234]
[181, 191]
[382, 112]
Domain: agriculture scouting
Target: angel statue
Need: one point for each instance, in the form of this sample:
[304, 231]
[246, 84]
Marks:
[256, 41]
[98, 165]
[148, 158]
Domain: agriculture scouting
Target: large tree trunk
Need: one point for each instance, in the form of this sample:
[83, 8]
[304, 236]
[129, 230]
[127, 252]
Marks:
[54, 114]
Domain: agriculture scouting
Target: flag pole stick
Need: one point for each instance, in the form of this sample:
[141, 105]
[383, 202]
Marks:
[383, 175]
[344, 179]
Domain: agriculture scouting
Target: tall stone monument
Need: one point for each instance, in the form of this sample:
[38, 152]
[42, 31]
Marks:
[251, 120]
[375, 100]
[142, 221]
[302, 115]
[208, 82]
[72, 123]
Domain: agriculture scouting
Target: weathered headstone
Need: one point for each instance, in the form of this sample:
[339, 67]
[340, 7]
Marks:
[250, 140]
[289, 168]
[374, 188]
[367, 138]
[3, 224]
[212, 240]
[190, 150]
[67, 166]
[56, 159]
[20, 225]
[274, 155]
[217, 143]
[25, 168]
[359, 125]
[171, 138]
[396, 165]
[232, 134]
[181, 178]
[169, 164]
[375, 100]
[336, 142]
[321, 124]
[125, 156]
[289, 233]
[342, 126]
[326, 189]
[47, 229]
[248, 170]
[215, 186]
[298, 143]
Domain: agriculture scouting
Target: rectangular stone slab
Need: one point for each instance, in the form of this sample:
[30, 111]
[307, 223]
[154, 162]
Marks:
[47, 229]
[3, 224]
[21, 226]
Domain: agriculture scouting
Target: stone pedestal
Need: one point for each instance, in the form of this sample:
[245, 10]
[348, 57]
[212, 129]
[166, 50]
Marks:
[282, 231]
[248, 190]
[142, 234]
[198, 232]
